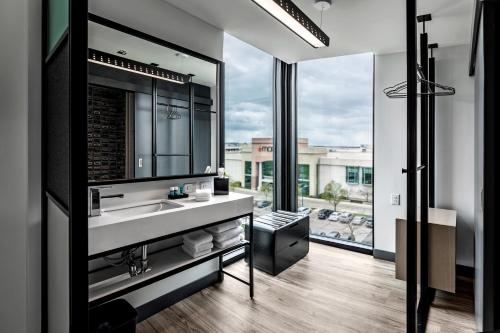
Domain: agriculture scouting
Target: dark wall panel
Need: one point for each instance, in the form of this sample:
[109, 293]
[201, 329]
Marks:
[57, 125]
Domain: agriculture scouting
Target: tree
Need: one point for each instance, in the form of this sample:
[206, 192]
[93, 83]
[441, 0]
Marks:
[334, 193]
[235, 184]
[266, 188]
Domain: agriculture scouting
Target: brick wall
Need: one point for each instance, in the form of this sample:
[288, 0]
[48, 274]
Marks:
[106, 133]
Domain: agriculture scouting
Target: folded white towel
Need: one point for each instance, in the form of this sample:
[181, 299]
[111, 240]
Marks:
[203, 195]
[199, 247]
[197, 237]
[216, 229]
[194, 254]
[228, 234]
[227, 243]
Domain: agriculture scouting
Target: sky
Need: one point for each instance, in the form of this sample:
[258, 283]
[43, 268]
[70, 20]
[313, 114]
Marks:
[334, 96]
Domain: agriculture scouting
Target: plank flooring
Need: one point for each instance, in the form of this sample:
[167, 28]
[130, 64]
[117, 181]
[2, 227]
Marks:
[331, 290]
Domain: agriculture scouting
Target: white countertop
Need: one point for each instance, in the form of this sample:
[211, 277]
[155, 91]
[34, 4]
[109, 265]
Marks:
[108, 232]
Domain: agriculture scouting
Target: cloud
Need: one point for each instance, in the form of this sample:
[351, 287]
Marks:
[334, 96]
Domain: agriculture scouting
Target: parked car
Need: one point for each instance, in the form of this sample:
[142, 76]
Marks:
[346, 217]
[347, 237]
[358, 220]
[318, 233]
[263, 203]
[304, 210]
[324, 213]
[334, 216]
[369, 222]
[333, 234]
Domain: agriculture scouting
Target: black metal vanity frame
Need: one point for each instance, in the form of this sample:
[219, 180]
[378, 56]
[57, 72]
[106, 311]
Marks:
[248, 245]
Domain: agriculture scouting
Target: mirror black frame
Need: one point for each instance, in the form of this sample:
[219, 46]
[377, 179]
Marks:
[220, 141]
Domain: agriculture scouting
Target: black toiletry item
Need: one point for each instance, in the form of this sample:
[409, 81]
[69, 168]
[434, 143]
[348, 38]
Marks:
[178, 196]
[221, 186]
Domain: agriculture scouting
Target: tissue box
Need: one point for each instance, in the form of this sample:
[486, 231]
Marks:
[221, 186]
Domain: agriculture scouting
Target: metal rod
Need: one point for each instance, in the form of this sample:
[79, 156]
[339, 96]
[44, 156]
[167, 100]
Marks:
[155, 122]
[250, 257]
[432, 133]
[411, 180]
[221, 268]
[423, 308]
[191, 125]
[236, 278]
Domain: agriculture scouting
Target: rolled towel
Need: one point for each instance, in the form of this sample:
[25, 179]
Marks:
[217, 229]
[199, 247]
[195, 254]
[197, 237]
[228, 234]
[227, 243]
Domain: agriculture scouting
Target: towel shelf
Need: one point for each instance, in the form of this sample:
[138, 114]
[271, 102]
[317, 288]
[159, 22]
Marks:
[164, 263]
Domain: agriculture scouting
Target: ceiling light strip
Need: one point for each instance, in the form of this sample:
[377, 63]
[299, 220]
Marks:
[292, 17]
[110, 60]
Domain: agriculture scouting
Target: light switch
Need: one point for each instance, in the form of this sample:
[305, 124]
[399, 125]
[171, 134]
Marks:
[395, 199]
[140, 162]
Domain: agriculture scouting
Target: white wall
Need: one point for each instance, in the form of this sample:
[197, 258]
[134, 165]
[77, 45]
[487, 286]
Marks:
[161, 19]
[20, 34]
[454, 147]
[390, 150]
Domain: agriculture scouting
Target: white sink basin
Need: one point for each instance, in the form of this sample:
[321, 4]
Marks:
[140, 208]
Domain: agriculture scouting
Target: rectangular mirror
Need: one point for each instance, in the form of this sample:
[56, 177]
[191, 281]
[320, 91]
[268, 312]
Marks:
[153, 110]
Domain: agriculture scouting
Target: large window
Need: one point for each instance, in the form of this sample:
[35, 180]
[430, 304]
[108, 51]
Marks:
[335, 125]
[249, 121]
[248, 175]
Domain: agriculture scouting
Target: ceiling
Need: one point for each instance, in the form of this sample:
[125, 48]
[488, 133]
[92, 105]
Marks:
[109, 40]
[354, 26]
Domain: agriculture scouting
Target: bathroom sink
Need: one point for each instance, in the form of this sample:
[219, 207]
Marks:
[141, 208]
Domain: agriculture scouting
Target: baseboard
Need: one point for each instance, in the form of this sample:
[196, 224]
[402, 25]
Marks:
[461, 270]
[384, 255]
[465, 271]
[341, 245]
[160, 303]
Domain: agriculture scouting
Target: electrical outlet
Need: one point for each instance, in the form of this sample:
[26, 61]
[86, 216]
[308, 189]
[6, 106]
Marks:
[189, 188]
[395, 199]
[206, 185]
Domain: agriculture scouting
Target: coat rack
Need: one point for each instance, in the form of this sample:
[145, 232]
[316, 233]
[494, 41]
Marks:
[423, 75]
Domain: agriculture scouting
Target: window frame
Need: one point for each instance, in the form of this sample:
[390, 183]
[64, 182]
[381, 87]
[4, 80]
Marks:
[348, 170]
[366, 171]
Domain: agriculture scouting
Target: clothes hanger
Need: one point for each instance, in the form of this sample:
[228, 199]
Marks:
[399, 90]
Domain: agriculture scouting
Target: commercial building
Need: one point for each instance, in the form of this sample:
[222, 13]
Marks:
[251, 165]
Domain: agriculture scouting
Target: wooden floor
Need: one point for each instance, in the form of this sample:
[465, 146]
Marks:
[331, 290]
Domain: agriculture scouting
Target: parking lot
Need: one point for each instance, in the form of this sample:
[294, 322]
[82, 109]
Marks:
[362, 233]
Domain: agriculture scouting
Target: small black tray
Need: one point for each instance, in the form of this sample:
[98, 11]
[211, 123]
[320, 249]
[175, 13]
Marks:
[178, 196]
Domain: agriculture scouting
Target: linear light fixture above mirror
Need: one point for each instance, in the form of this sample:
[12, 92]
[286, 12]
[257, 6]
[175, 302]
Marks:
[110, 60]
[293, 18]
